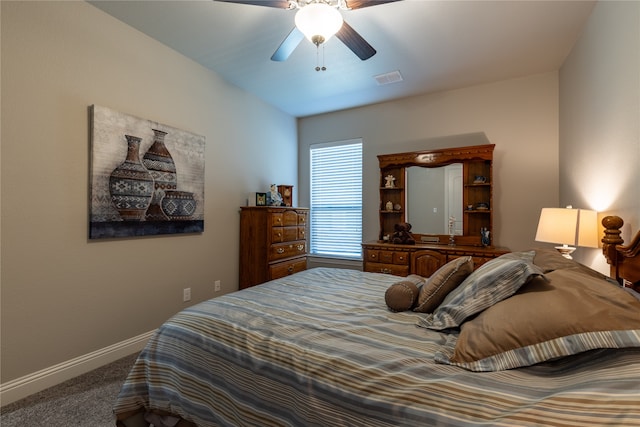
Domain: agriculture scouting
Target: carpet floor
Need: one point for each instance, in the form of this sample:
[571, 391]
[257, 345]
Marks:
[84, 401]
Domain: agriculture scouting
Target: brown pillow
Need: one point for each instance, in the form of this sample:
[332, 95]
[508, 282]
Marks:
[402, 295]
[443, 281]
[550, 260]
[566, 314]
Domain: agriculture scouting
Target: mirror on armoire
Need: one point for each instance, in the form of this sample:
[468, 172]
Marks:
[433, 197]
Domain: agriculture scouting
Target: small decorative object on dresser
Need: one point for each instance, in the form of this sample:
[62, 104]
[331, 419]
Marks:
[286, 191]
[486, 240]
[276, 198]
[261, 199]
[402, 235]
[273, 243]
[390, 179]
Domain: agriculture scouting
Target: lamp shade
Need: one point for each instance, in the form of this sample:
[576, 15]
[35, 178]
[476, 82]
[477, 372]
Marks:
[318, 22]
[587, 228]
[557, 225]
[568, 227]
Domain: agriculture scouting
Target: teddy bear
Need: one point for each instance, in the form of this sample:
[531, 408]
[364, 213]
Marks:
[402, 234]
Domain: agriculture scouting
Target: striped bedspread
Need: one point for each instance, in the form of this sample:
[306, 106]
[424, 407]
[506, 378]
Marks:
[320, 348]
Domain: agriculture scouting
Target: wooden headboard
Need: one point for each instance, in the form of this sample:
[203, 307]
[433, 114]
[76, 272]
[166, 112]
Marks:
[624, 259]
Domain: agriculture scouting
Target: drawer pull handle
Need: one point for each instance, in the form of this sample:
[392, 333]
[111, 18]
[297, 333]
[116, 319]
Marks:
[280, 250]
[290, 269]
[385, 271]
[279, 234]
[373, 256]
[300, 247]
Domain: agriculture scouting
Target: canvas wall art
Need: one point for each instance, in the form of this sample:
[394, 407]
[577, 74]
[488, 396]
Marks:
[146, 178]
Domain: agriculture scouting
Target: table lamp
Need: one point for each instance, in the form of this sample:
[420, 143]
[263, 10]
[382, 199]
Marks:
[568, 227]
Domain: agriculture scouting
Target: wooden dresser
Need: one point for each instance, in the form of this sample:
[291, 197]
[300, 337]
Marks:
[421, 259]
[273, 243]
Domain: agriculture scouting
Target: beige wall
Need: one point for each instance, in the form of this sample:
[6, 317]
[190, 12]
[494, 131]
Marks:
[520, 116]
[600, 118]
[62, 295]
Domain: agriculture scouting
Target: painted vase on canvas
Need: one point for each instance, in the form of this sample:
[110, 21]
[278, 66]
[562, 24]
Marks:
[159, 162]
[131, 185]
[178, 205]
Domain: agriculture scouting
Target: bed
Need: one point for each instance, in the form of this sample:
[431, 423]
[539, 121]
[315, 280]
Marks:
[323, 348]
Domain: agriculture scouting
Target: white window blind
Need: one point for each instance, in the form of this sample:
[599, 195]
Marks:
[336, 199]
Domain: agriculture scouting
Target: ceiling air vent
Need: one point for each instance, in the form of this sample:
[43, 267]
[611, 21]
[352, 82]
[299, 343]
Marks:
[388, 78]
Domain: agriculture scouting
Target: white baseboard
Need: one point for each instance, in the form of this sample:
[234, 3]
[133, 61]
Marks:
[45, 378]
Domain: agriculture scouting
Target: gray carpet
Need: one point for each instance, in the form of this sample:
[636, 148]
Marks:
[84, 401]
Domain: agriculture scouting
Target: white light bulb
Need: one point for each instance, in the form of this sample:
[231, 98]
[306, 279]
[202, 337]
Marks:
[318, 22]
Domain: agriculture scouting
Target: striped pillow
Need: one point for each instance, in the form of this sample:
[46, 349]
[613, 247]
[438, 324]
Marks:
[569, 313]
[490, 283]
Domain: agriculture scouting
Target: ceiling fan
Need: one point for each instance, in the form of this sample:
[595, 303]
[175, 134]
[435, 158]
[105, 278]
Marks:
[318, 20]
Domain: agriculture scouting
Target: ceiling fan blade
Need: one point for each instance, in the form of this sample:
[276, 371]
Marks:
[355, 42]
[359, 4]
[288, 45]
[281, 4]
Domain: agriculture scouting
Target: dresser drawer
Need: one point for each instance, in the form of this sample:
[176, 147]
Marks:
[401, 258]
[284, 234]
[287, 250]
[377, 267]
[371, 255]
[276, 219]
[286, 268]
[302, 233]
[387, 257]
[289, 217]
[302, 218]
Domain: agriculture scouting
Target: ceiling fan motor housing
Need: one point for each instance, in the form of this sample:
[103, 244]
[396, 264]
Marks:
[318, 22]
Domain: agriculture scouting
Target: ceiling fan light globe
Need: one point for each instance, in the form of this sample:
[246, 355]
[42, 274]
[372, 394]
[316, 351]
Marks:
[318, 21]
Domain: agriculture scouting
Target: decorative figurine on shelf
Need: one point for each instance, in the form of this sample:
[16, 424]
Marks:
[402, 235]
[276, 198]
[389, 205]
[452, 225]
[484, 236]
[389, 181]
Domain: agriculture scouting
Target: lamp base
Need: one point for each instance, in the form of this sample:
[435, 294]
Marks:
[566, 251]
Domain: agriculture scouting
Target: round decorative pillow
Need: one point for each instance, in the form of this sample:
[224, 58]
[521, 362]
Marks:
[401, 296]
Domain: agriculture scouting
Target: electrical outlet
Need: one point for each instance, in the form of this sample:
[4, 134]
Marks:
[216, 286]
[186, 294]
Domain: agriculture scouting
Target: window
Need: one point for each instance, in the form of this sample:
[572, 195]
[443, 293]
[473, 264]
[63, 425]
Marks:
[336, 199]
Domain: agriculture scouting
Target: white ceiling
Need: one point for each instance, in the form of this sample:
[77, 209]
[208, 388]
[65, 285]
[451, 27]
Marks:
[435, 45]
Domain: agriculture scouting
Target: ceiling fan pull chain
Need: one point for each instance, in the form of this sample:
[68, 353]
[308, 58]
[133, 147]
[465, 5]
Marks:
[318, 68]
[323, 67]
